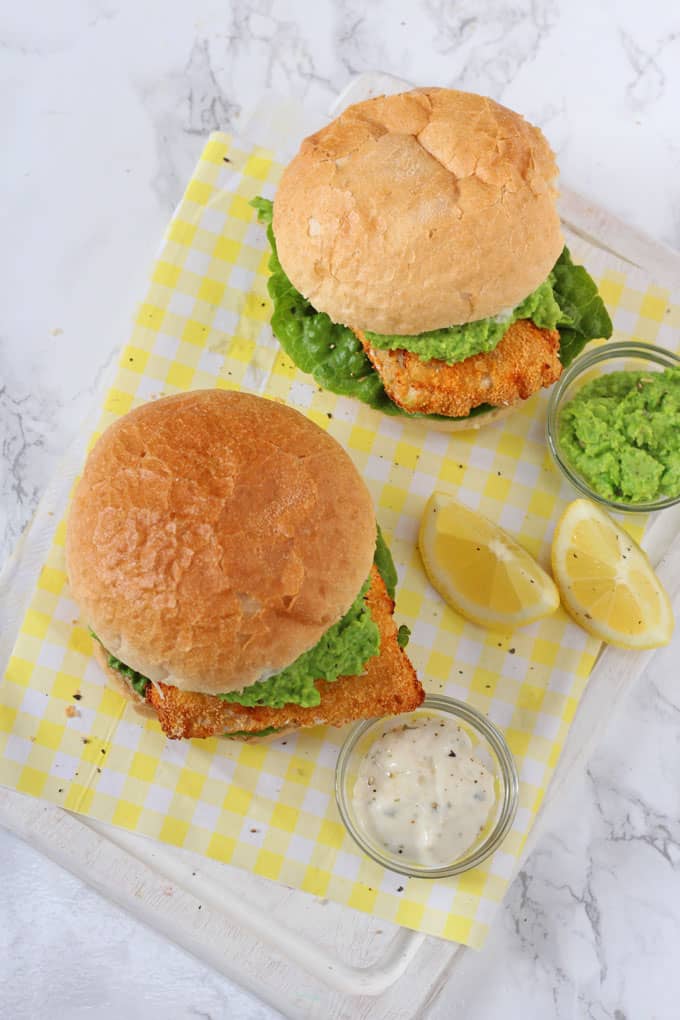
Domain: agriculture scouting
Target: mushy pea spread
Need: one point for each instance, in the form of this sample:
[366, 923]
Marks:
[621, 432]
[456, 343]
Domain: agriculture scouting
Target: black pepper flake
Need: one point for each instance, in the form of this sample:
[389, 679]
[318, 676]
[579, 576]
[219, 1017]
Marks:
[328, 414]
[77, 696]
[85, 740]
[60, 790]
[225, 159]
[452, 753]
[512, 650]
[102, 750]
[400, 888]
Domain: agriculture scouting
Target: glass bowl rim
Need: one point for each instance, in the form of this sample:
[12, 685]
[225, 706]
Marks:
[508, 778]
[606, 352]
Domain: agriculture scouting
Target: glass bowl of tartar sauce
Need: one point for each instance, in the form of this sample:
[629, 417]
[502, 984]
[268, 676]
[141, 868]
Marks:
[428, 794]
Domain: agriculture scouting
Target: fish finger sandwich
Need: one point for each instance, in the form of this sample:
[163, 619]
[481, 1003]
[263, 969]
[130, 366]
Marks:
[418, 261]
[224, 552]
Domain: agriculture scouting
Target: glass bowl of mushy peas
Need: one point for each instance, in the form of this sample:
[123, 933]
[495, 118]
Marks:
[613, 426]
[430, 793]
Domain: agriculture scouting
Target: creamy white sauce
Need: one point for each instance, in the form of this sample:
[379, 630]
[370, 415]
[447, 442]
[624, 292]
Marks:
[504, 315]
[422, 794]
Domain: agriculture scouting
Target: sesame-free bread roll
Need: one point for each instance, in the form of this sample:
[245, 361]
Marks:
[417, 211]
[214, 537]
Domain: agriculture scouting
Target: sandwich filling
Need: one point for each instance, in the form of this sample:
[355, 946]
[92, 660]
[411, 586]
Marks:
[456, 343]
[565, 307]
[343, 650]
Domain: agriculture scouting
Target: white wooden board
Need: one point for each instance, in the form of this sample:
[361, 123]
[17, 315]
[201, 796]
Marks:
[309, 958]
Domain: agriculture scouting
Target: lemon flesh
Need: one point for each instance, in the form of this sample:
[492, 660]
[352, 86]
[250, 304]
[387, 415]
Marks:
[480, 570]
[606, 582]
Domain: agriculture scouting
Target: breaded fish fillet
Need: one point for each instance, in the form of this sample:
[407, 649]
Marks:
[388, 686]
[525, 360]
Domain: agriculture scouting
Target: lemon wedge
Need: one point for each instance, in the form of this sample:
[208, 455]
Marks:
[606, 581]
[480, 570]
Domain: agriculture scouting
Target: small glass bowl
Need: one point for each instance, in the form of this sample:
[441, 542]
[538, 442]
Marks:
[488, 745]
[609, 357]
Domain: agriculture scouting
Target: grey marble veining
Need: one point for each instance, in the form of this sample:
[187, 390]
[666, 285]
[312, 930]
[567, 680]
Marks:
[105, 106]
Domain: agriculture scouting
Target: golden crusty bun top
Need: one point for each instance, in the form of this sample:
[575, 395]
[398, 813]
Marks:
[417, 211]
[214, 536]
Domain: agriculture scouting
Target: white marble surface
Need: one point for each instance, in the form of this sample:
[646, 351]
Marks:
[104, 106]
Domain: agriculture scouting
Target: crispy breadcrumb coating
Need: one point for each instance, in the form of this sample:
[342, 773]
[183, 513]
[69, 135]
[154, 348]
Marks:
[526, 359]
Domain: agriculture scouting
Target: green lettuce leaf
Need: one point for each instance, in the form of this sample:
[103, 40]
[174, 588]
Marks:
[576, 292]
[137, 681]
[403, 635]
[385, 564]
[245, 734]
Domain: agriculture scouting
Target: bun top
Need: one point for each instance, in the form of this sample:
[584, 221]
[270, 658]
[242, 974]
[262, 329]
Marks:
[418, 211]
[214, 536]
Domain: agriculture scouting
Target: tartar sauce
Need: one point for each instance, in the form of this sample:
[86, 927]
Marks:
[422, 794]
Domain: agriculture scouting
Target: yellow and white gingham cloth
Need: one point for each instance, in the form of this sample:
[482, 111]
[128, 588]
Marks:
[270, 808]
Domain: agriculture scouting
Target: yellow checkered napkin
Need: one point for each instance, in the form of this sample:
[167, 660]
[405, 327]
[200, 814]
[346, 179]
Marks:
[270, 808]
